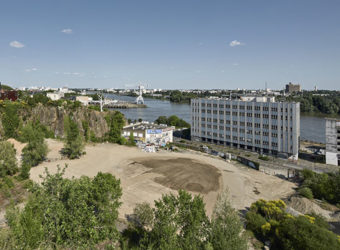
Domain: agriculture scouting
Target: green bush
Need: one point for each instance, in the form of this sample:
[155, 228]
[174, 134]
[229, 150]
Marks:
[8, 160]
[73, 146]
[270, 223]
[67, 213]
[36, 149]
[10, 119]
[116, 122]
[264, 158]
[180, 222]
[172, 121]
[306, 192]
[325, 186]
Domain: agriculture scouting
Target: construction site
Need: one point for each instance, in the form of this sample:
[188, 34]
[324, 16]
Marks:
[146, 176]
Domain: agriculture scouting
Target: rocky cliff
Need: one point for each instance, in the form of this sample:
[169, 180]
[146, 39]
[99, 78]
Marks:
[53, 118]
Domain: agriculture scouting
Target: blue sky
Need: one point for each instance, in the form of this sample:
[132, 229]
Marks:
[170, 43]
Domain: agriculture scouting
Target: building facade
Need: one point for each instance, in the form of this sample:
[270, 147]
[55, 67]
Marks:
[255, 123]
[332, 141]
[149, 133]
[291, 88]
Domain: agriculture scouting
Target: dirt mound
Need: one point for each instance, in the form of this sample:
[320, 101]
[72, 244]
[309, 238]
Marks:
[184, 173]
[305, 206]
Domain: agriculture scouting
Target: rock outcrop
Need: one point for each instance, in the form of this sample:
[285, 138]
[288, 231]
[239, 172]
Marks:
[53, 118]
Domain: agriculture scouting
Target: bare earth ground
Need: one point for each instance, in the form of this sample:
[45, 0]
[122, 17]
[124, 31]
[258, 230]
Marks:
[146, 176]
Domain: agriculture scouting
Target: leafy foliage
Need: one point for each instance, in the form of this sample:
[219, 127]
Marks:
[36, 149]
[67, 213]
[323, 186]
[10, 119]
[269, 221]
[226, 227]
[116, 123]
[73, 147]
[8, 161]
[323, 102]
[306, 192]
[180, 222]
[172, 121]
[131, 141]
[25, 133]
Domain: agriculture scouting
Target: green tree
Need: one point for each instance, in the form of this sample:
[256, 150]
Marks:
[116, 123]
[131, 141]
[143, 215]
[35, 151]
[10, 119]
[86, 130]
[180, 222]
[226, 226]
[162, 120]
[73, 146]
[67, 213]
[269, 222]
[8, 160]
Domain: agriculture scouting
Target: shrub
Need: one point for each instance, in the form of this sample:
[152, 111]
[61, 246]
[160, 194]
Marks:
[269, 222]
[306, 192]
[8, 160]
[36, 149]
[73, 146]
[67, 213]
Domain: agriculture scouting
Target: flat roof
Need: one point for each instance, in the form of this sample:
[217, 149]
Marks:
[144, 126]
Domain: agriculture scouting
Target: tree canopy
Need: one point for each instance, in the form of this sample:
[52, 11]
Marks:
[69, 213]
[74, 145]
[8, 161]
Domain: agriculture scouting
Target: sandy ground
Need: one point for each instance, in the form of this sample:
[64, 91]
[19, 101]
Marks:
[146, 176]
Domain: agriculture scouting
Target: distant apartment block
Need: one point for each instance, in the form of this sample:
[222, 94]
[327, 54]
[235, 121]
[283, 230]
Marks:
[291, 88]
[255, 123]
[55, 96]
[332, 141]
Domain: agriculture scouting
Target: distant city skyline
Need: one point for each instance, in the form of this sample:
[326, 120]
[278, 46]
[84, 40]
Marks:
[170, 44]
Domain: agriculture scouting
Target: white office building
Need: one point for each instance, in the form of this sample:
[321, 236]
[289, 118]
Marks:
[256, 123]
[333, 141]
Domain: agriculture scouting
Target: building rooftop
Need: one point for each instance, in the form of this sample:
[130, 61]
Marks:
[145, 125]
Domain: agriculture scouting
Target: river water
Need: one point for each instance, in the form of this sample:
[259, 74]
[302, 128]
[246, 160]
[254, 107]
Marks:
[312, 128]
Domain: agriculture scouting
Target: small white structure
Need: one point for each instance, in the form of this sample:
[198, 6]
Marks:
[149, 133]
[84, 99]
[55, 96]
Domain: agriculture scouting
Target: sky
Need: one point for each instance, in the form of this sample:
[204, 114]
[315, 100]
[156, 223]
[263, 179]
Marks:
[170, 44]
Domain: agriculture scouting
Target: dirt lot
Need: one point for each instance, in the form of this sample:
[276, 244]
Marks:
[146, 176]
[183, 173]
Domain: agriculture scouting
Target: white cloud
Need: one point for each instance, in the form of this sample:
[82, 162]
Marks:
[30, 70]
[235, 43]
[67, 31]
[236, 64]
[73, 74]
[16, 44]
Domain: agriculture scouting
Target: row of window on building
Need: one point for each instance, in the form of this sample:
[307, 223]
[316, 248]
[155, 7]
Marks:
[241, 107]
[242, 114]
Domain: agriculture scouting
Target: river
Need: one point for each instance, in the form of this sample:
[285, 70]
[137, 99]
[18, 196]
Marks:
[312, 128]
